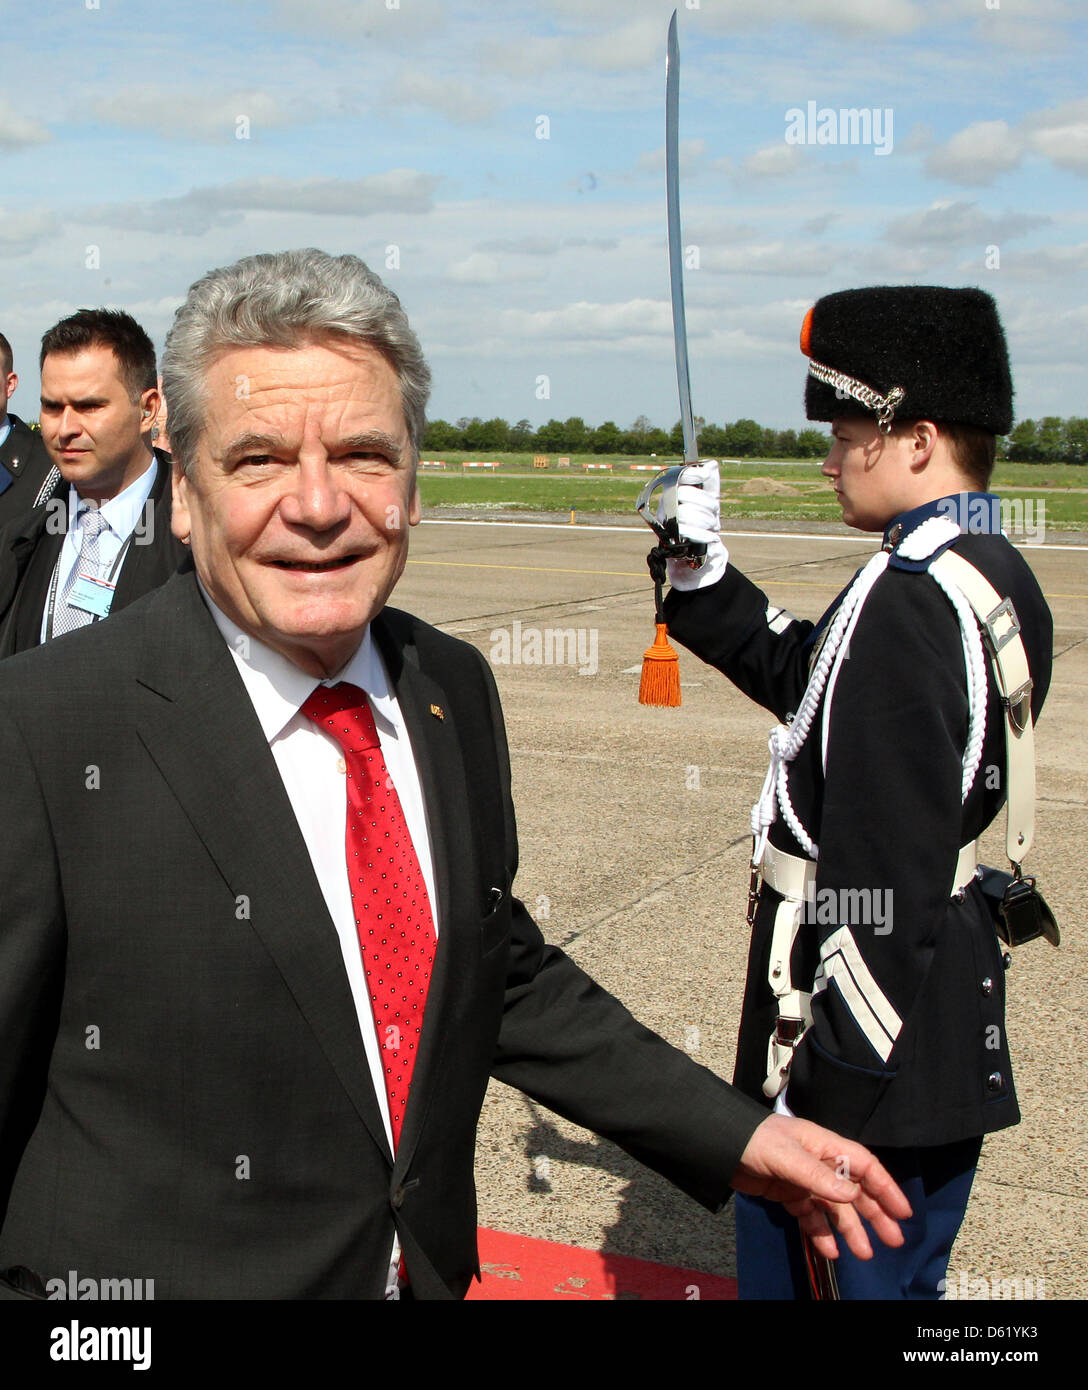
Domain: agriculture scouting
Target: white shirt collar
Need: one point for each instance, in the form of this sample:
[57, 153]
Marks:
[278, 688]
[123, 511]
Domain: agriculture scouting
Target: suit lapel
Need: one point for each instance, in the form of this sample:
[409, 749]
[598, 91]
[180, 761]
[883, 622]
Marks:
[430, 716]
[207, 743]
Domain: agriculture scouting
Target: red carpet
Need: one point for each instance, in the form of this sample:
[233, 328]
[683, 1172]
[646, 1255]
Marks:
[522, 1269]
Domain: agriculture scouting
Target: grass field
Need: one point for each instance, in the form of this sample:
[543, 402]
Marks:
[800, 492]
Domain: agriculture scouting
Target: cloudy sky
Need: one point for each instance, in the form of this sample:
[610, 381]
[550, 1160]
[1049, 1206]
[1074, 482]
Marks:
[501, 165]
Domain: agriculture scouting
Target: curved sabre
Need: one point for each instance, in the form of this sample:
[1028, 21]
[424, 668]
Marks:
[676, 248]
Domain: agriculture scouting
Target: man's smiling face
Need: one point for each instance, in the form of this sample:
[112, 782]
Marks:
[301, 495]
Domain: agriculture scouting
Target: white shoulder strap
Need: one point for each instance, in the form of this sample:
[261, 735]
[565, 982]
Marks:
[1002, 631]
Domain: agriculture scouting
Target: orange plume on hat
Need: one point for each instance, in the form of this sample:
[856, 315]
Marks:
[806, 333]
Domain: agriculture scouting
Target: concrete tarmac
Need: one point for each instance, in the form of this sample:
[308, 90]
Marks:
[634, 842]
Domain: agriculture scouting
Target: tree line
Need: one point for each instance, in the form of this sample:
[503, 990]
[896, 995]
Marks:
[741, 439]
[1049, 440]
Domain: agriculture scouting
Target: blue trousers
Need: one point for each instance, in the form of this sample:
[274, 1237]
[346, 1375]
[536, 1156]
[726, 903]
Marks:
[936, 1182]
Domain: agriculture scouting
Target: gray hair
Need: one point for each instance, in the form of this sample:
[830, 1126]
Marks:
[285, 299]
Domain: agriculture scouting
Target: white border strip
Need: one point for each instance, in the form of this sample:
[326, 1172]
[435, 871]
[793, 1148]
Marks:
[727, 535]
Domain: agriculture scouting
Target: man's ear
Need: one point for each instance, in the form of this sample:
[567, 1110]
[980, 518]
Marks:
[150, 405]
[415, 507]
[923, 440]
[180, 521]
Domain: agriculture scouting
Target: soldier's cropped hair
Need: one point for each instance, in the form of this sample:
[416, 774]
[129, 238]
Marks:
[286, 299]
[973, 450]
[7, 361]
[111, 328]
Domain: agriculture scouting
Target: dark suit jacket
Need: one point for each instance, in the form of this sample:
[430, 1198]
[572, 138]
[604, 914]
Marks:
[184, 1090]
[24, 467]
[30, 546]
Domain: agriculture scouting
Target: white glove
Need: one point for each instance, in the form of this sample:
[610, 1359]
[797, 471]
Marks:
[698, 519]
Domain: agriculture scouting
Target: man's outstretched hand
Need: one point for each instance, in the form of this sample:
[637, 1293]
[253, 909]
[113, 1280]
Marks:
[799, 1164]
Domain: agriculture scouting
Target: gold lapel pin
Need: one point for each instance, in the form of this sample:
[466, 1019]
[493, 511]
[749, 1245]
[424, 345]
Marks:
[438, 711]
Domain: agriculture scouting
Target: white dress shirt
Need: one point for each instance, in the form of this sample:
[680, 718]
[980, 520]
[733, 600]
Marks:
[121, 514]
[313, 770]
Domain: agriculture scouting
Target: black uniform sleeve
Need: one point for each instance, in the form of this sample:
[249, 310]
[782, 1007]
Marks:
[571, 1045]
[734, 627]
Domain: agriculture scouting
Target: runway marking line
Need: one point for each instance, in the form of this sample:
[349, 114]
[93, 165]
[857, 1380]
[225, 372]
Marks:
[525, 1269]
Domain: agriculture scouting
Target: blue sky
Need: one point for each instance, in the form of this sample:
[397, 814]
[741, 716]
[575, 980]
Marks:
[409, 132]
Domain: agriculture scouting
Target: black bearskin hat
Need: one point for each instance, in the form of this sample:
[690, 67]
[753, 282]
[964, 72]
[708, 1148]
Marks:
[909, 352]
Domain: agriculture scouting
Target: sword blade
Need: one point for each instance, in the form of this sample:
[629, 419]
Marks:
[676, 248]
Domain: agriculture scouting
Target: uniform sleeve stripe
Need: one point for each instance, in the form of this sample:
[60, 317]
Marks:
[841, 961]
[778, 620]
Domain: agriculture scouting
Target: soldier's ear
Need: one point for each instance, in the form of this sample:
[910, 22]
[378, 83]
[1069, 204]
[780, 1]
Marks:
[924, 435]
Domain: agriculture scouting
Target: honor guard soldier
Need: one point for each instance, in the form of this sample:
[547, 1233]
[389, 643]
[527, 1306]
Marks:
[874, 1001]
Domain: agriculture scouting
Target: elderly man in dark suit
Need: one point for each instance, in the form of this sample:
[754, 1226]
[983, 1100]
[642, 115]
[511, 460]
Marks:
[24, 459]
[100, 535]
[259, 951]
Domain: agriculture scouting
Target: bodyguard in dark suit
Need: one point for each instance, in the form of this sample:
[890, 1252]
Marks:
[101, 536]
[255, 970]
[24, 459]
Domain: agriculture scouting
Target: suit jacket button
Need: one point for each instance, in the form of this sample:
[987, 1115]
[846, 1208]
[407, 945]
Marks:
[995, 1081]
[987, 985]
[398, 1197]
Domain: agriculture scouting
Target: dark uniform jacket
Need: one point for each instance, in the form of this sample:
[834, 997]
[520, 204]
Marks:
[184, 1091]
[30, 547]
[24, 466]
[887, 817]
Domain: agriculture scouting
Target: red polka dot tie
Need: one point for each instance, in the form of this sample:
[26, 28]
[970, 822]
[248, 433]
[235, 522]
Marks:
[388, 893]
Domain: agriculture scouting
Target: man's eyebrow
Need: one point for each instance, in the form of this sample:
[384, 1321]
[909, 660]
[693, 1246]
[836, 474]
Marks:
[252, 444]
[82, 404]
[372, 440]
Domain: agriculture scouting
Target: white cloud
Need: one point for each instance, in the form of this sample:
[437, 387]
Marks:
[477, 269]
[770, 258]
[464, 103]
[1061, 135]
[181, 114]
[773, 162]
[873, 16]
[373, 20]
[690, 152]
[18, 132]
[957, 224]
[585, 324]
[978, 154]
[192, 213]
[22, 231]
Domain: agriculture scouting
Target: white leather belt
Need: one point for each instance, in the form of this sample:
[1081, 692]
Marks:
[794, 879]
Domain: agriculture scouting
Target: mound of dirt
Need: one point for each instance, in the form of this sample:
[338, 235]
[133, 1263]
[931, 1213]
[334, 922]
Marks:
[767, 487]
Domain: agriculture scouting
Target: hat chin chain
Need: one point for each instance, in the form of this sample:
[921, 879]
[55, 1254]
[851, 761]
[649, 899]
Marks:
[884, 406]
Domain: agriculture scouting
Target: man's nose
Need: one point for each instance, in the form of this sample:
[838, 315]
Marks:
[316, 499]
[70, 424]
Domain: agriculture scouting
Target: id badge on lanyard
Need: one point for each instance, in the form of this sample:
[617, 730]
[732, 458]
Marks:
[92, 595]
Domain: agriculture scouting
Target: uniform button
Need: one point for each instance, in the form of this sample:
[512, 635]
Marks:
[987, 985]
[1006, 959]
[995, 1081]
